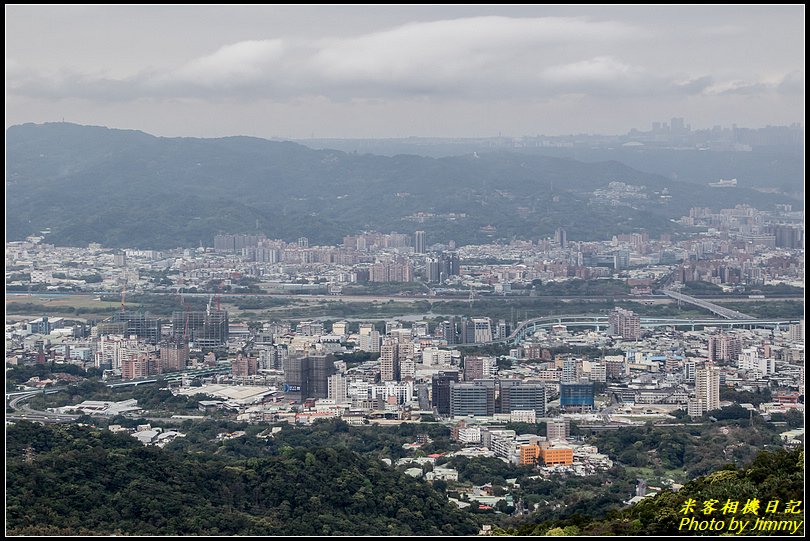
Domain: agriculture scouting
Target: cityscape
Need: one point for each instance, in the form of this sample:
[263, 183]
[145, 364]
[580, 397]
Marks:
[401, 324]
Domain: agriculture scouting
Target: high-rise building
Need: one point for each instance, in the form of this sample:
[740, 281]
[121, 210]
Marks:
[420, 242]
[308, 377]
[139, 366]
[558, 430]
[476, 367]
[571, 370]
[472, 399]
[370, 341]
[707, 387]
[447, 330]
[503, 329]
[483, 330]
[320, 368]
[338, 388]
[796, 332]
[441, 391]
[577, 397]
[466, 331]
[561, 238]
[407, 369]
[141, 324]
[724, 347]
[296, 376]
[439, 268]
[174, 355]
[244, 366]
[389, 360]
[340, 328]
[206, 329]
[624, 323]
[517, 396]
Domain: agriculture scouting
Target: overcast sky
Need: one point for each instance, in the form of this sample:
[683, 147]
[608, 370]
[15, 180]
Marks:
[328, 71]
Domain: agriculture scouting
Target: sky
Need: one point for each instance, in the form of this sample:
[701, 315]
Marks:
[400, 71]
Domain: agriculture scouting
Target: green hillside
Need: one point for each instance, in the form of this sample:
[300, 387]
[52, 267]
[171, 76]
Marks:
[128, 188]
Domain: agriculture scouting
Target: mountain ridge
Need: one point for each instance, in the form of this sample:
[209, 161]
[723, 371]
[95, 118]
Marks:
[129, 188]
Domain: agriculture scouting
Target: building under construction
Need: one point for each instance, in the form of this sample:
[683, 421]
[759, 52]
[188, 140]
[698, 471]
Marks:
[206, 329]
[141, 324]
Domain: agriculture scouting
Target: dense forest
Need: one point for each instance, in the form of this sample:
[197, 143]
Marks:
[72, 480]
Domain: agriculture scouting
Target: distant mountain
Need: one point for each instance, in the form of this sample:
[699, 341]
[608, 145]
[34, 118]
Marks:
[766, 167]
[128, 188]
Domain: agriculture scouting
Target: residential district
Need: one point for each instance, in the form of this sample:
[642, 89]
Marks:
[601, 371]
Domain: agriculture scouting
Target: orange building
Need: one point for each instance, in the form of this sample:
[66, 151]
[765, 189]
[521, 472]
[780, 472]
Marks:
[529, 454]
[556, 455]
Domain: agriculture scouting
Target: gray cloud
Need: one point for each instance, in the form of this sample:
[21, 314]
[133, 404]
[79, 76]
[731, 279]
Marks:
[479, 57]
[374, 70]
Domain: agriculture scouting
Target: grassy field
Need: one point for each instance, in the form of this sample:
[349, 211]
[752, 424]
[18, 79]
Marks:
[67, 305]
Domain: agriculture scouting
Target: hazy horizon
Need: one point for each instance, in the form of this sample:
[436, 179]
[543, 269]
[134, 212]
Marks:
[357, 72]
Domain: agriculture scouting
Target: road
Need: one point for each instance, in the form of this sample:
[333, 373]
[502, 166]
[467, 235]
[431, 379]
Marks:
[24, 412]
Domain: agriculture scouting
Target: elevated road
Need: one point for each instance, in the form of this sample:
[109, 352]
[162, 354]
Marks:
[600, 322]
[721, 311]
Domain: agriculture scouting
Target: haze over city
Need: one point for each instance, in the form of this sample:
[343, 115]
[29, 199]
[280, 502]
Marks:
[397, 71]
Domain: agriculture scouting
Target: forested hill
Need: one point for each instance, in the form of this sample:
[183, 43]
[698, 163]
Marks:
[128, 188]
[70, 480]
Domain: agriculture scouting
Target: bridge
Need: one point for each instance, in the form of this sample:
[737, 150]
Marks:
[600, 322]
[172, 377]
[721, 311]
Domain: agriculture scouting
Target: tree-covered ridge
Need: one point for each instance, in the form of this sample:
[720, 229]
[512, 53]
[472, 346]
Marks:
[72, 480]
[130, 189]
[770, 489]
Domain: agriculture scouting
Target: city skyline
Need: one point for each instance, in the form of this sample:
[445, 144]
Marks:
[445, 71]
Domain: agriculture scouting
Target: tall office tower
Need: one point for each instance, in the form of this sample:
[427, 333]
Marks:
[472, 399]
[433, 270]
[420, 242]
[389, 360]
[707, 387]
[441, 391]
[120, 260]
[561, 238]
[625, 323]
